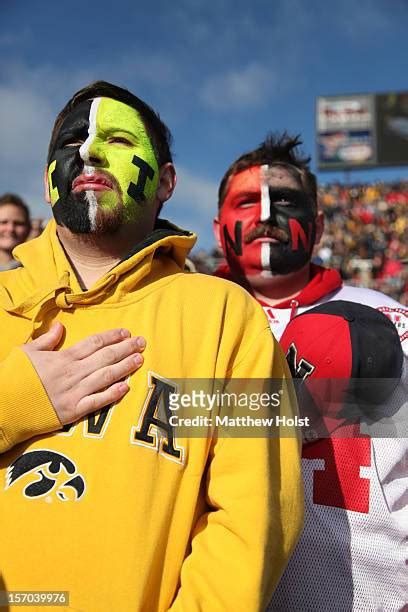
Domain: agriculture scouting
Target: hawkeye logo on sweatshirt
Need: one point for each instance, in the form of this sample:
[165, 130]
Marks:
[43, 472]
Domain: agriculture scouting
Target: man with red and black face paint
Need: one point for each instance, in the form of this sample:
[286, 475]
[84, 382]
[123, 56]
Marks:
[273, 221]
[140, 512]
[351, 552]
[268, 220]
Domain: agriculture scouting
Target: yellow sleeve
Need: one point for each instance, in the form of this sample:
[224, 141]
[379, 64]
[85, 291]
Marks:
[241, 547]
[25, 410]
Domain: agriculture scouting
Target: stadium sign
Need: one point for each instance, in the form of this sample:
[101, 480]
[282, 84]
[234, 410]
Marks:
[362, 130]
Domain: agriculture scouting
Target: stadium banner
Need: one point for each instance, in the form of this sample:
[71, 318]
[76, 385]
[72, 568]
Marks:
[392, 128]
[362, 130]
[345, 128]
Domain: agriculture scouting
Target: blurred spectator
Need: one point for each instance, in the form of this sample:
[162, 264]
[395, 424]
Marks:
[37, 226]
[206, 262]
[15, 226]
[365, 237]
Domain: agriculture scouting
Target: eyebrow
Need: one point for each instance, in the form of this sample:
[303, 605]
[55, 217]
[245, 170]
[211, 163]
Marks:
[286, 192]
[116, 128]
[112, 129]
[254, 193]
[81, 127]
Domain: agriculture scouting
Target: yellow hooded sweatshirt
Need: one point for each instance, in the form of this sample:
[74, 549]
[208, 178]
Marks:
[112, 509]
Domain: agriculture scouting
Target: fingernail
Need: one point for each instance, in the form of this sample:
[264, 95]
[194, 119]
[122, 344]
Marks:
[138, 359]
[123, 387]
[124, 333]
[141, 342]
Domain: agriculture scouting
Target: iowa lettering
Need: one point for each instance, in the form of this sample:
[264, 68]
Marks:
[153, 430]
[94, 425]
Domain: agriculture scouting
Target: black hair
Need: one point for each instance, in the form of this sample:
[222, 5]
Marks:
[157, 131]
[15, 200]
[276, 149]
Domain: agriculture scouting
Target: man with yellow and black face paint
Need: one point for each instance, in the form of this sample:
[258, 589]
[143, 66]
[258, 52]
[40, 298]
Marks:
[126, 510]
[102, 170]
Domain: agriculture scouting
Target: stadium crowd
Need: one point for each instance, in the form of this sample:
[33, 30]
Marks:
[365, 237]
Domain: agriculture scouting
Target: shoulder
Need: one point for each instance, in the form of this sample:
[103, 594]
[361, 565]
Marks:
[217, 297]
[9, 278]
[360, 295]
[215, 286]
[395, 311]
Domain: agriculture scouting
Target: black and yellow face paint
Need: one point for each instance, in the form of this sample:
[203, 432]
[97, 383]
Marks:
[103, 171]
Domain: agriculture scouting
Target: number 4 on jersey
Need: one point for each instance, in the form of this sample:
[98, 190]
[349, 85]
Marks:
[340, 484]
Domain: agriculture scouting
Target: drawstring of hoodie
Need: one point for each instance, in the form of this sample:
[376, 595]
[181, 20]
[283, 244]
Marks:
[58, 297]
[294, 304]
[41, 298]
[63, 298]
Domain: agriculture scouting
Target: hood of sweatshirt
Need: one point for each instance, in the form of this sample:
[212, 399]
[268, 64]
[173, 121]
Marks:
[322, 282]
[47, 275]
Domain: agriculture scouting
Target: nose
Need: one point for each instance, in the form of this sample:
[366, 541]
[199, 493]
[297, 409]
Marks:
[269, 217]
[92, 152]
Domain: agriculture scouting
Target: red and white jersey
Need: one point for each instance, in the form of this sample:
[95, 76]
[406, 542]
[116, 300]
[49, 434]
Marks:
[353, 552]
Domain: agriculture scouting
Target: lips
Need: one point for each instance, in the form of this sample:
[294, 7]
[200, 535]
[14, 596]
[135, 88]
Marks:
[97, 181]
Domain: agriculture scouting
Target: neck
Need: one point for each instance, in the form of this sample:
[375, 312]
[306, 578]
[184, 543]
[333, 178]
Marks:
[275, 289]
[92, 256]
[5, 257]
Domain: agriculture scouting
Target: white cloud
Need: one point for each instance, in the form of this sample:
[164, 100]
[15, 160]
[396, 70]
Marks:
[25, 119]
[30, 101]
[243, 88]
[193, 205]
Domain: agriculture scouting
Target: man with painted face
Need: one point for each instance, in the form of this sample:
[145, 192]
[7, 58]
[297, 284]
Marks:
[103, 501]
[268, 224]
[355, 520]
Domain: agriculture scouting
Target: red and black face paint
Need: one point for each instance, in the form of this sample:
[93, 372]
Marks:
[292, 218]
[268, 223]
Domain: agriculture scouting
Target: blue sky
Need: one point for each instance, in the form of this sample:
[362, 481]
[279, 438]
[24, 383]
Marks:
[221, 75]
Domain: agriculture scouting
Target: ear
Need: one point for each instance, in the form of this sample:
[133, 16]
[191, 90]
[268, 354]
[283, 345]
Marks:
[46, 186]
[217, 231]
[319, 226]
[167, 182]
